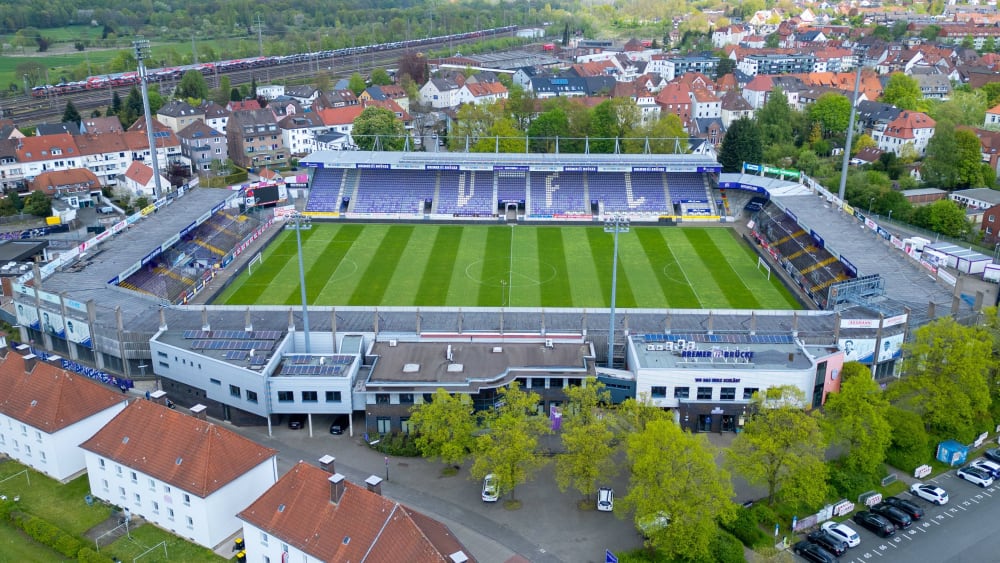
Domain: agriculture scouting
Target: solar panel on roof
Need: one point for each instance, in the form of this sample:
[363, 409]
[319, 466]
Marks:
[236, 355]
[258, 360]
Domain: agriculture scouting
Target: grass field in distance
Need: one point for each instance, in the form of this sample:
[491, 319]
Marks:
[514, 266]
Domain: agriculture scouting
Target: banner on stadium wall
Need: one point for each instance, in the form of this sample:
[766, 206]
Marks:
[27, 315]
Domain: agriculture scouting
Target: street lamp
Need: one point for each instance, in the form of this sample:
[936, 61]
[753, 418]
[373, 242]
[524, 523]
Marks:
[871, 200]
[890, 216]
[614, 224]
[300, 223]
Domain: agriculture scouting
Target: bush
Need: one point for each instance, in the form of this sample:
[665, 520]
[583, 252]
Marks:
[747, 529]
[850, 484]
[87, 555]
[910, 446]
[47, 534]
[402, 445]
[727, 549]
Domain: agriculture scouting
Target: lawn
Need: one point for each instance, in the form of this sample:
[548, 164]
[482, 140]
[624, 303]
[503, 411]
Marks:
[520, 266]
[148, 536]
[15, 546]
[62, 505]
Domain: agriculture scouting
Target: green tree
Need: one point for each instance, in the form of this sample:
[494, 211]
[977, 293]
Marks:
[587, 439]
[71, 115]
[132, 109]
[356, 84]
[943, 216]
[235, 95]
[726, 66]
[911, 445]
[192, 86]
[381, 125]
[380, 77]
[445, 427]
[963, 108]
[856, 421]
[782, 447]
[508, 447]
[832, 111]
[612, 120]
[864, 141]
[116, 104]
[503, 136]
[38, 204]
[772, 41]
[16, 201]
[930, 32]
[221, 95]
[472, 122]
[990, 45]
[565, 37]
[664, 136]
[903, 92]
[742, 143]
[968, 159]
[775, 119]
[674, 473]
[882, 32]
[544, 130]
[948, 367]
[253, 87]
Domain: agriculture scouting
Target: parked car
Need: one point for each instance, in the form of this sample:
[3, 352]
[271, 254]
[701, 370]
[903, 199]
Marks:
[993, 454]
[898, 517]
[813, 552]
[490, 491]
[296, 421]
[605, 499]
[106, 209]
[988, 466]
[875, 523]
[975, 475]
[930, 493]
[909, 507]
[828, 541]
[338, 425]
[842, 531]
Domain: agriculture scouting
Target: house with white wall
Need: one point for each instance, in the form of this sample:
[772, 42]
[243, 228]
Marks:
[45, 412]
[178, 471]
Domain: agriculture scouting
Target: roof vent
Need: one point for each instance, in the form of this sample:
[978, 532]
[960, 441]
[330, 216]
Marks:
[281, 508]
[347, 540]
[549, 343]
[33, 403]
[498, 349]
[179, 460]
[458, 557]
[412, 368]
[125, 440]
[456, 368]
[393, 343]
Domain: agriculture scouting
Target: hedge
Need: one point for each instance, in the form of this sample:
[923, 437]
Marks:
[87, 555]
[50, 535]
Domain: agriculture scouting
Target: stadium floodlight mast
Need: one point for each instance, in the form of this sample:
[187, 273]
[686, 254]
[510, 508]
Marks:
[859, 52]
[141, 53]
[299, 223]
[614, 224]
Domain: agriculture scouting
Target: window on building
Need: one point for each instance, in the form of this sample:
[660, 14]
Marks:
[170, 514]
[333, 396]
[285, 397]
[118, 470]
[682, 392]
[138, 499]
[263, 539]
[135, 477]
[727, 394]
[404, 423]
[190, 522]
[104, 484]
[704, 393]
[309, 397]
[156, 507]
[406, 398]
[187, 499]
[152, 485]
[121, 492]
[384, 424]
[428, 397]
[658, 392]
[100, 463]
[38, 436]
[234, 391]
[42, 455]
[252, 396]
[284, 548]
[215, 381]
[381, 398]
[748, 393]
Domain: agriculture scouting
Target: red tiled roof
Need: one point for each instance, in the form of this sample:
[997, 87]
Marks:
[75, 178]
[340, 116]
[139, 173]
[35, 149]
[243, 105]
[191, 454]
[362, 525]
[101, 143]
[49, 398]
[902, 127]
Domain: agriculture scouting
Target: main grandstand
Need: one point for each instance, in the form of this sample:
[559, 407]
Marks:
[409, 185]
[132, 283]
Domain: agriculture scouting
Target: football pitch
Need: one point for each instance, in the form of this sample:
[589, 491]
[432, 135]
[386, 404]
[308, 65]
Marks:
[511, 266]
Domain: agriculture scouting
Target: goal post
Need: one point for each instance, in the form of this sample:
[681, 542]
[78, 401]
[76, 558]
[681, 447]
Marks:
[762, 264]
[258, 259]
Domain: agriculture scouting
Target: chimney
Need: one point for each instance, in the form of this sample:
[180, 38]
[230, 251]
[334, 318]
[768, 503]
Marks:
[23, 349]
[29, 362]
[336, 487]
[326, 463]
[159, 397]
[374, 484]
[198, 411]
[3, 351]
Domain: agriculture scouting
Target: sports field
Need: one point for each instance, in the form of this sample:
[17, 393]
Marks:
[514, 266]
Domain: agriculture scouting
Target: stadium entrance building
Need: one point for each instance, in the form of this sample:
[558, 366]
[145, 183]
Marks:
[708, 380]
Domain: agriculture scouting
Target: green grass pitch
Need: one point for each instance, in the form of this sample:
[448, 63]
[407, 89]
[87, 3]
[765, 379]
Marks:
[519, 266]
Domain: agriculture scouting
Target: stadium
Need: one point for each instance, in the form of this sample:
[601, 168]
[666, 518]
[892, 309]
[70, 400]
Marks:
[470, 271]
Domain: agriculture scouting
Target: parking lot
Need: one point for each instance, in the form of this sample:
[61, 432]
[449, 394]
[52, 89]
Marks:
[961, 530]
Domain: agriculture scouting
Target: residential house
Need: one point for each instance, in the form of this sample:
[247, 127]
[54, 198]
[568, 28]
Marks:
[675, 98]
[728, 35]
[298, 132]
[106, 154]
[178, 114]
[754, 65]
[734, 106]
[75, 181]
[101, 125]
[440, 93]
[9, 130]
[243, 105]
[993, 116]
[202, 145]
[639, 93]
[11, 177]
[398, 94]
[46, 153]
[976, 198]
[216, 116]
[910, 128]
[139, 180]
[315, 515]
[254, 139]
[43, 129]
[46, 412]
[177, 471]
[990, 226]
[867, 155]
[270, 91]
[709, 128]
[522, 77]
[550, 86]
[871, 114]
[482, 93]
[758, 90]
[705, 104]
[304, 95]
[168, 147]
[335, 99]
[934, 86]
[679, 66]
[339, 121]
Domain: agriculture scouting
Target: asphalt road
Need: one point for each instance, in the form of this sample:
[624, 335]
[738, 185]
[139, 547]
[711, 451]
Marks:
[964, 530]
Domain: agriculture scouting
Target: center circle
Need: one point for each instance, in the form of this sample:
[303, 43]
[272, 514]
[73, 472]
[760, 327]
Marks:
[504, 276]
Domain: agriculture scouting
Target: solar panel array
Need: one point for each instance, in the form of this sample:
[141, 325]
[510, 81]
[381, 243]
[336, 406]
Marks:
[233, 334]
[311, 370]
[723, 338]
[260, 345]
[236, 355]
[259, 360]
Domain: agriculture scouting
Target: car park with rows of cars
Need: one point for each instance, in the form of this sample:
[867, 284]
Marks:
[874, 523]
[931, 493]
[975, 476]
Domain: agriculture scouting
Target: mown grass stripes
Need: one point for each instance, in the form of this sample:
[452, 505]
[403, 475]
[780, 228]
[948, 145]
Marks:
[472, 266]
